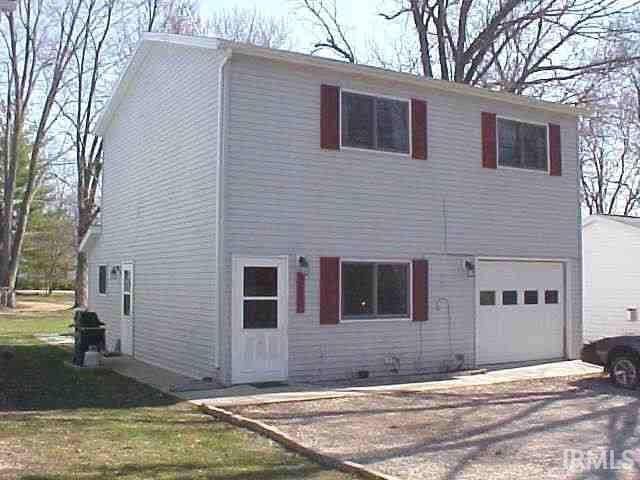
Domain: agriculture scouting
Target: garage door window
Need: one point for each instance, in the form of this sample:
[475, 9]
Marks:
[530, 297]
[551, 297]
[487, 297]
[509, 297]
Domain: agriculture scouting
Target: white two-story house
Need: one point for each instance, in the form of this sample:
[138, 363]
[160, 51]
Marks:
[274, 216]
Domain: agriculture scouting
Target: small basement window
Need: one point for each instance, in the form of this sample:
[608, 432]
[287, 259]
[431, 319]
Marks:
[375, 123]
[102, 279]
[522, 145]
[375, 290]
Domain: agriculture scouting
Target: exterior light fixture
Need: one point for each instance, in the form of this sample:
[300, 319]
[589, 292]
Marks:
[303, 265]
[115, 272]
[470, 268]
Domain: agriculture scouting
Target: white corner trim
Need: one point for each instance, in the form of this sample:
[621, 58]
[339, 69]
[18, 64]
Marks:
[219, 245]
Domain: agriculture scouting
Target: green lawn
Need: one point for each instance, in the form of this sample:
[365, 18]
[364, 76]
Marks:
[60, 423]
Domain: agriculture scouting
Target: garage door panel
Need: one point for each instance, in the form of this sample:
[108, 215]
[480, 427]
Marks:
[520, 332]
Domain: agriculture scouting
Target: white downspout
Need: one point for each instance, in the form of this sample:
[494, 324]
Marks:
[219, 247]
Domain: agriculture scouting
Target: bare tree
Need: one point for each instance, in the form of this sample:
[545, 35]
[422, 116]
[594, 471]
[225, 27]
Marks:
[40, 42]
[250, 26]
[512, 45]
[325, 16]
[610, 150]
[89, 66]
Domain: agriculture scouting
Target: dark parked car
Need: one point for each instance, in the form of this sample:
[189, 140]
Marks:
[620, 357]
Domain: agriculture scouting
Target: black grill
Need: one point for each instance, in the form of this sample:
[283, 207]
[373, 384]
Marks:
[89, 332]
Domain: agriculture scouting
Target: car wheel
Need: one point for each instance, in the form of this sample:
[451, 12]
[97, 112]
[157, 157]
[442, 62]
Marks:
[625, 371]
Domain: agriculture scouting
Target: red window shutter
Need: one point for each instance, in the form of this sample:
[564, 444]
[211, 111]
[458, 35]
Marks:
[329, 294]
[419, 129]
[300, 292]
[420, 290]
[555, 148]
[489, 148]
[329, 119]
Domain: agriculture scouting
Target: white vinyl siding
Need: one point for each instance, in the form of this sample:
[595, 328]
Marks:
[159, 209]
[285, 195]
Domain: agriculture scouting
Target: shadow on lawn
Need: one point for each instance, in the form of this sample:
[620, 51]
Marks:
[36, 378]
[188, 471]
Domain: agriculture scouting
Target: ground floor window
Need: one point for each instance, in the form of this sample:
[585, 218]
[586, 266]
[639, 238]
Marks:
[102, 279]
[375, 289]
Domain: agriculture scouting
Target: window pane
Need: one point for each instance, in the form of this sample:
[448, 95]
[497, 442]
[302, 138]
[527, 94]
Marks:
[509, 143]
[357, 289]
[126, 304]
[487, 297]
[260, 314]
[530, 297]
[393, 293]
[126, 281]
[509, 297]
[551, 296]
[102, 279]
[260, 281]
[522, 145]
[392, 125]
[534, 146]
[357, 120]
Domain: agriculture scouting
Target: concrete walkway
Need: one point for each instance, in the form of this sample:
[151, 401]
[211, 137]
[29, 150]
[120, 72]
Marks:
[244, 395]
[205, 393]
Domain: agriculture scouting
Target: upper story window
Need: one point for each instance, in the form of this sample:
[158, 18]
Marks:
[522, 145]
[375, 123]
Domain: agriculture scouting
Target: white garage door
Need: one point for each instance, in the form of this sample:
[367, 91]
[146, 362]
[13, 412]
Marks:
[520, 311]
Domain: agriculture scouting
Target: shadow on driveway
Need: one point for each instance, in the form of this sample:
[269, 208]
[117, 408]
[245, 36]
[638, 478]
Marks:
[502, 431]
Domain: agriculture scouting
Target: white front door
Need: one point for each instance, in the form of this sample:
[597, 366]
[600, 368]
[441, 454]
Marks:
[126, 309]
[520, 311]
[259, 317]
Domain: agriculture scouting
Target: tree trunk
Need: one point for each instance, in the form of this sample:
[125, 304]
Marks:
[7, 297]
[82, 280]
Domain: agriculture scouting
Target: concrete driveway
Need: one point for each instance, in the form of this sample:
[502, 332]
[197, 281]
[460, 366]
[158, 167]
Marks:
[557, 428]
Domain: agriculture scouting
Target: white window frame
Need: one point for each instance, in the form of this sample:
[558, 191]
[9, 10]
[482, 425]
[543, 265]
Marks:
[106, 280]
[409, 316]
[521, 169]
[369, 150]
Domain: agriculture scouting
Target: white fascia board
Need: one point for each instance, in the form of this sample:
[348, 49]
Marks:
[94, 231]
